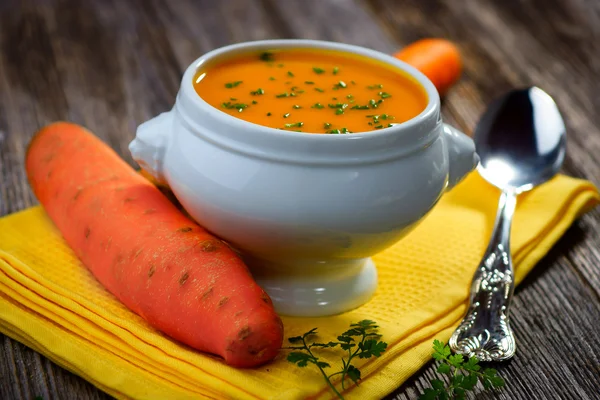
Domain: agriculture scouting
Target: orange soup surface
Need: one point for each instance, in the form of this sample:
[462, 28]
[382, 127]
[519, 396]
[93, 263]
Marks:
[311, 91]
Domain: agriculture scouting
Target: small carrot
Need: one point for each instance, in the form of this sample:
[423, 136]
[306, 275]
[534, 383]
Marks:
[438, 59]
[159, 263]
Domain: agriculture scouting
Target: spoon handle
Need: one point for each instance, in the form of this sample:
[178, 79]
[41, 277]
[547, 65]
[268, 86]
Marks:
[485, 331]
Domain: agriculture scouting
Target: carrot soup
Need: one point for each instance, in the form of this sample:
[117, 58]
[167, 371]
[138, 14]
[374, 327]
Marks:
[312, 91]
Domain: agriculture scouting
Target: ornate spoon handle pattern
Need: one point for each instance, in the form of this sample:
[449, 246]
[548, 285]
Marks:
[485, 331]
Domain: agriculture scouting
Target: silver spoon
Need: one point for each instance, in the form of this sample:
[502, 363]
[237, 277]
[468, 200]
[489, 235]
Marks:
[520, 140]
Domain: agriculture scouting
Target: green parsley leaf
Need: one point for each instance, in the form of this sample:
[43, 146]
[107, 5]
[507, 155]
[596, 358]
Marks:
[318, 70]
[359, 331]
[294, 125]
[267, 56]
[464, 374]
[231, 85]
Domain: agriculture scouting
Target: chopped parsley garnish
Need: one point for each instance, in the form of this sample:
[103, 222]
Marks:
[343, 130]
[384, 95]
[335, 70]
[318, 70]
[339, 111]
[268, 114]
[257, 92]
[296, 106]
[237, 106]
[231, 85]
[290, 74]
[271, 78]
[378, 86]
[286, 115]
[360, 107]
[309, 82]
[318, 105]
[326, 125]
[294, 125]
[340, 85]
[267, 56]
[254, 102]
[319, 90]
[286, 94]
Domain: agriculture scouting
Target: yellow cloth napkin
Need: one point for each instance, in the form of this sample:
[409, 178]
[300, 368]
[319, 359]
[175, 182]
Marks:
[51, 303]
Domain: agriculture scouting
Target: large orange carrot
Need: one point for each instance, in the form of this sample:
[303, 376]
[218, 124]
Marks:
[438, 59]
[160, 264]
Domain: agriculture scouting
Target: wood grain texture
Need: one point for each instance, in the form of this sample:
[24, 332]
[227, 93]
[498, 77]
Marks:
[112, 64]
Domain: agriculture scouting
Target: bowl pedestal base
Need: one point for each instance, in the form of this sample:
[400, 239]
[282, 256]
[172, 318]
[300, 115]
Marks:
[315, 288]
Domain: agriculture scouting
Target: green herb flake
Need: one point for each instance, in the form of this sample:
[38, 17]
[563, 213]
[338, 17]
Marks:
[257, 92]
[340, 85]
[384, 95]
[352, 82]
[231, 85]
[234, 106]
[318, 70]
[319, 90]
[373, 103]
[373, 87]
[254, 102]
[349, 96]
[280, 65]
[338, 105]
[357, 107]
[267, 56]
[290, 74]
[271, 78]
[326, 125]
[309, 82]
[294, 125]
[286, 115]
[335, 70]
[343, 130]
[296, 106]
[269, 114]
[317, 105]
[232, 99]
[379, 127]
[339, 111]
[285, 94]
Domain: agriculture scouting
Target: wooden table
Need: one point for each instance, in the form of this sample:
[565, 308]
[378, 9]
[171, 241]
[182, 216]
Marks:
[112, 64]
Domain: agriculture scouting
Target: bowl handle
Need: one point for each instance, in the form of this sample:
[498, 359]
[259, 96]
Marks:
[150, 144]
[462, 157]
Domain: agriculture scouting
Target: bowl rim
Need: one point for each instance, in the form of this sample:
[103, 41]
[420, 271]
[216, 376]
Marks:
[192, 101]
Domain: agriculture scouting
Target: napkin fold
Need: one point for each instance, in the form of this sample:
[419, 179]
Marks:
[51, 303]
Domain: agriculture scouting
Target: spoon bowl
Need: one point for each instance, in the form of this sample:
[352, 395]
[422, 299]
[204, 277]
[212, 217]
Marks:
[521, 143]
[520, 140]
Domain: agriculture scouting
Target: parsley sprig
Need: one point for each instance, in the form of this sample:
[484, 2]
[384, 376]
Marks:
[361, 340]
[460, 384]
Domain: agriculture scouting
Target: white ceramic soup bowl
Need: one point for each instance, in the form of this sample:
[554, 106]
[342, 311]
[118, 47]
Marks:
[305, 211]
